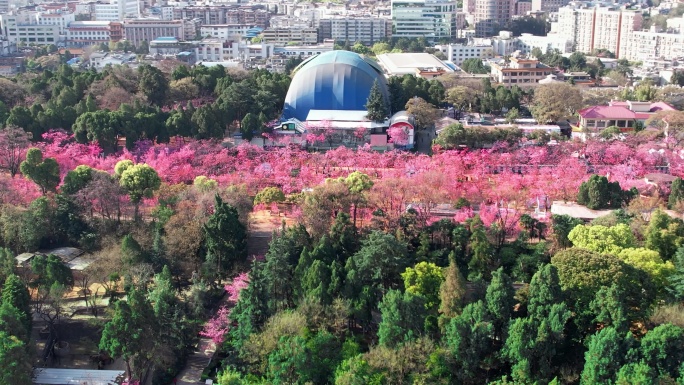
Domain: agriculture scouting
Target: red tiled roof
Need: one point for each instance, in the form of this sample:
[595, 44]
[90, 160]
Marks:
[607, 112]
[661, 106]
[643, 115]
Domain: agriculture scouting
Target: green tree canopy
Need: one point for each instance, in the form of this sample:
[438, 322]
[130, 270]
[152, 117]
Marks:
[602, 239]
[424, 279]
[403, 317]
[597, 194]
[138, 180]
[43, 172]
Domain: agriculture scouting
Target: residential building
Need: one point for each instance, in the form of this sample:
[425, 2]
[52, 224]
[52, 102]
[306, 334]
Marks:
[548, 6]
[4, 6]
[22, 28]
[651, 44]
[138, 30]
[247, 15]
[431, 19]
[225, 31]
[522, 8]
[368, 30]
[292, 36]
[191, 29]
[217, 15]
[491, 15]
[595, 28]
[521, 72]
[116, 10]
[287, 21]
[528, 42]
[87, 33]
[457, 53]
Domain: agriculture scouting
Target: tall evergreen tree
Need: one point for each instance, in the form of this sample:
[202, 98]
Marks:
[676, 192]
[225, 237]
[608, 351]
[500, 301]
[376, 105]
[469, 339]
[453, 290]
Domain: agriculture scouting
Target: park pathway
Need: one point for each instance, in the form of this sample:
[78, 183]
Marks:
[261, 226]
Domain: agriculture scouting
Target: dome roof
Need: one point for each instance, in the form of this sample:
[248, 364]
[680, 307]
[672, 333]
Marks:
[334, 80]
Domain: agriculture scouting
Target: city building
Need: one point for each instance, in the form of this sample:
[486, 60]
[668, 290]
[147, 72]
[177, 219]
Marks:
[528, 42]
[87, 33]
[170, 46]
[422, 65]
[548, 6]
[623, 115]
[522, 8]
[521, 72]
[225, 31]
[491, 15]
[457, 53]
[333, 81]
[368, 30]
[116, 10]
[4, 6]
[22, 28]
[596, 28]
[292, 36]
[651, 44]
[138, 30]
[60, 19]
[215, 50]
[432, 19]
[216, 15]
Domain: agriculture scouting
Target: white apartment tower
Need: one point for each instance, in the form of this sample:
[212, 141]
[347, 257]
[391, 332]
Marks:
[4, 6]
[432, 19]
[492, 14]
[599, 28]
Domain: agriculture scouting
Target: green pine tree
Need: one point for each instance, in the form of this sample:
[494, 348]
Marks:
[376, 105]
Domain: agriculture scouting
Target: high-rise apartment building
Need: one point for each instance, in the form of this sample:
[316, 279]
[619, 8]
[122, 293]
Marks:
[596, 28]
[492, 15]
[368, 30]
[4, 6]
[650, 44]
[432, 19]
[548, 5]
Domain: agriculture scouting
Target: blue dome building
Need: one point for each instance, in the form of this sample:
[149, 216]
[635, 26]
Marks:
[335, 80]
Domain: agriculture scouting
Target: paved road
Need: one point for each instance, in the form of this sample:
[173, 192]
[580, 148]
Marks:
[197, 361]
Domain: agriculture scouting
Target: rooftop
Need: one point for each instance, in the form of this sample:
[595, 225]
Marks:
[607, 112]
[50, 376]
[410, 63]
